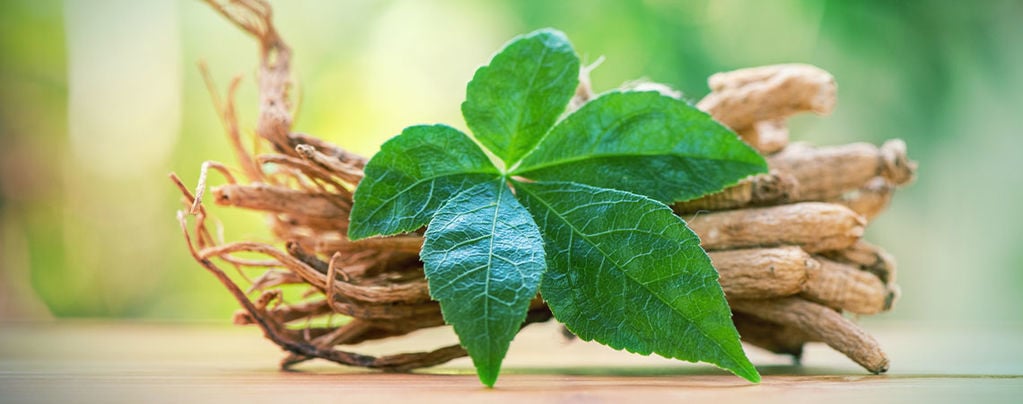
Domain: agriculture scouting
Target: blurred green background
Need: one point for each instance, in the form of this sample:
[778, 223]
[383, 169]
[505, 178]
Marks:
[102, 98]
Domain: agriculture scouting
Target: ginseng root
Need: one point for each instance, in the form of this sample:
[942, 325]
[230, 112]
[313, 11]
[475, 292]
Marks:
[869, 257]
[760, 273]
[741, 98]
[768, 137]
[822, 324]
[847, 287]
[774, 337]
[813, 226]
[760, 190]
[825, 173]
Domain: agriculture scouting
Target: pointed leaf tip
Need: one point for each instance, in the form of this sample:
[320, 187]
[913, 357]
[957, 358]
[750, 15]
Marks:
[623, 270]
[484, 257]
[513, 101]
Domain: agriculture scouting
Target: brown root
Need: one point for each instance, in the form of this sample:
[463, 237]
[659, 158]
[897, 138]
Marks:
[869, 257]
[407, 244]
[275, 331]
[826, 173]
[774, 337]
[768, 137]
[741, 98]
[762, 273]
[846, 287]
[869, 200]
[344, 168]
[270, 198]
[820, 323]
[813, 226]
[760, 190]
[229, 118]
[347, 159]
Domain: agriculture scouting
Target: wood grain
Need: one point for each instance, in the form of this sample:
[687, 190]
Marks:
[85, 362]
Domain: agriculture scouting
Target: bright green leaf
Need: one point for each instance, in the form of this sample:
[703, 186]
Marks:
[512, 102]
[621, 268]
[625, 271]
[484, 257]
[412, 175]
[645, 143]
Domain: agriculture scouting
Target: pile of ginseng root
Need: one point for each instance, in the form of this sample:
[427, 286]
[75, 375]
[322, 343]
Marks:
[787, 244]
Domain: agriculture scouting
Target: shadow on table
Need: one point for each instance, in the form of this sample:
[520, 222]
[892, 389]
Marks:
[653, 371]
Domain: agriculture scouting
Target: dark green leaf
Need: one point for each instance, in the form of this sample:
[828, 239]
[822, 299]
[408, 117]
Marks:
[512, 102]
[645, 143]
[412, 175]
[625, 271]
[483, 257]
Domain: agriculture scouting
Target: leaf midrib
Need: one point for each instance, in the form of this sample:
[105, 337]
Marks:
[638, 114]
[522, 111]
[626, 273]
[490, 266]
[556, 163]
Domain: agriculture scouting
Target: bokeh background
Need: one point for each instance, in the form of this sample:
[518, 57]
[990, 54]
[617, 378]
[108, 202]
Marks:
[101, 99]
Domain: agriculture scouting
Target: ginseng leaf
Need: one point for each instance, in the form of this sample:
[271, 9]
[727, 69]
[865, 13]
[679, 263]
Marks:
[512, 102]
[484, 257]
[645, 143]
[412, 175]
[626, 272]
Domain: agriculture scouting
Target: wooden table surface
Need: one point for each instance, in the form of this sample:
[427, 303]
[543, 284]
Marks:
[77, 362]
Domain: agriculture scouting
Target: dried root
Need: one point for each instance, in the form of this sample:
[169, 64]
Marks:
[820, 323]
[846, 287]
[761, 190]
[755, 102]
[270, 198]
[308, 194]
[870, 199]
[826, 173]
[768, 137]
[814, 226]
[763, 273]
[787, 244]
[774, 337]
[741, 98]
[868, 257]
[766, 273]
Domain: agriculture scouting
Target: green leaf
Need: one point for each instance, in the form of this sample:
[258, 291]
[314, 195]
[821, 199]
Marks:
[412, 175]
[483, 257]
[645, 143]
[623, 270]
[511, 103]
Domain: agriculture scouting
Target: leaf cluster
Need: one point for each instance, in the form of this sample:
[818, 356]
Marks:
[572, 207]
